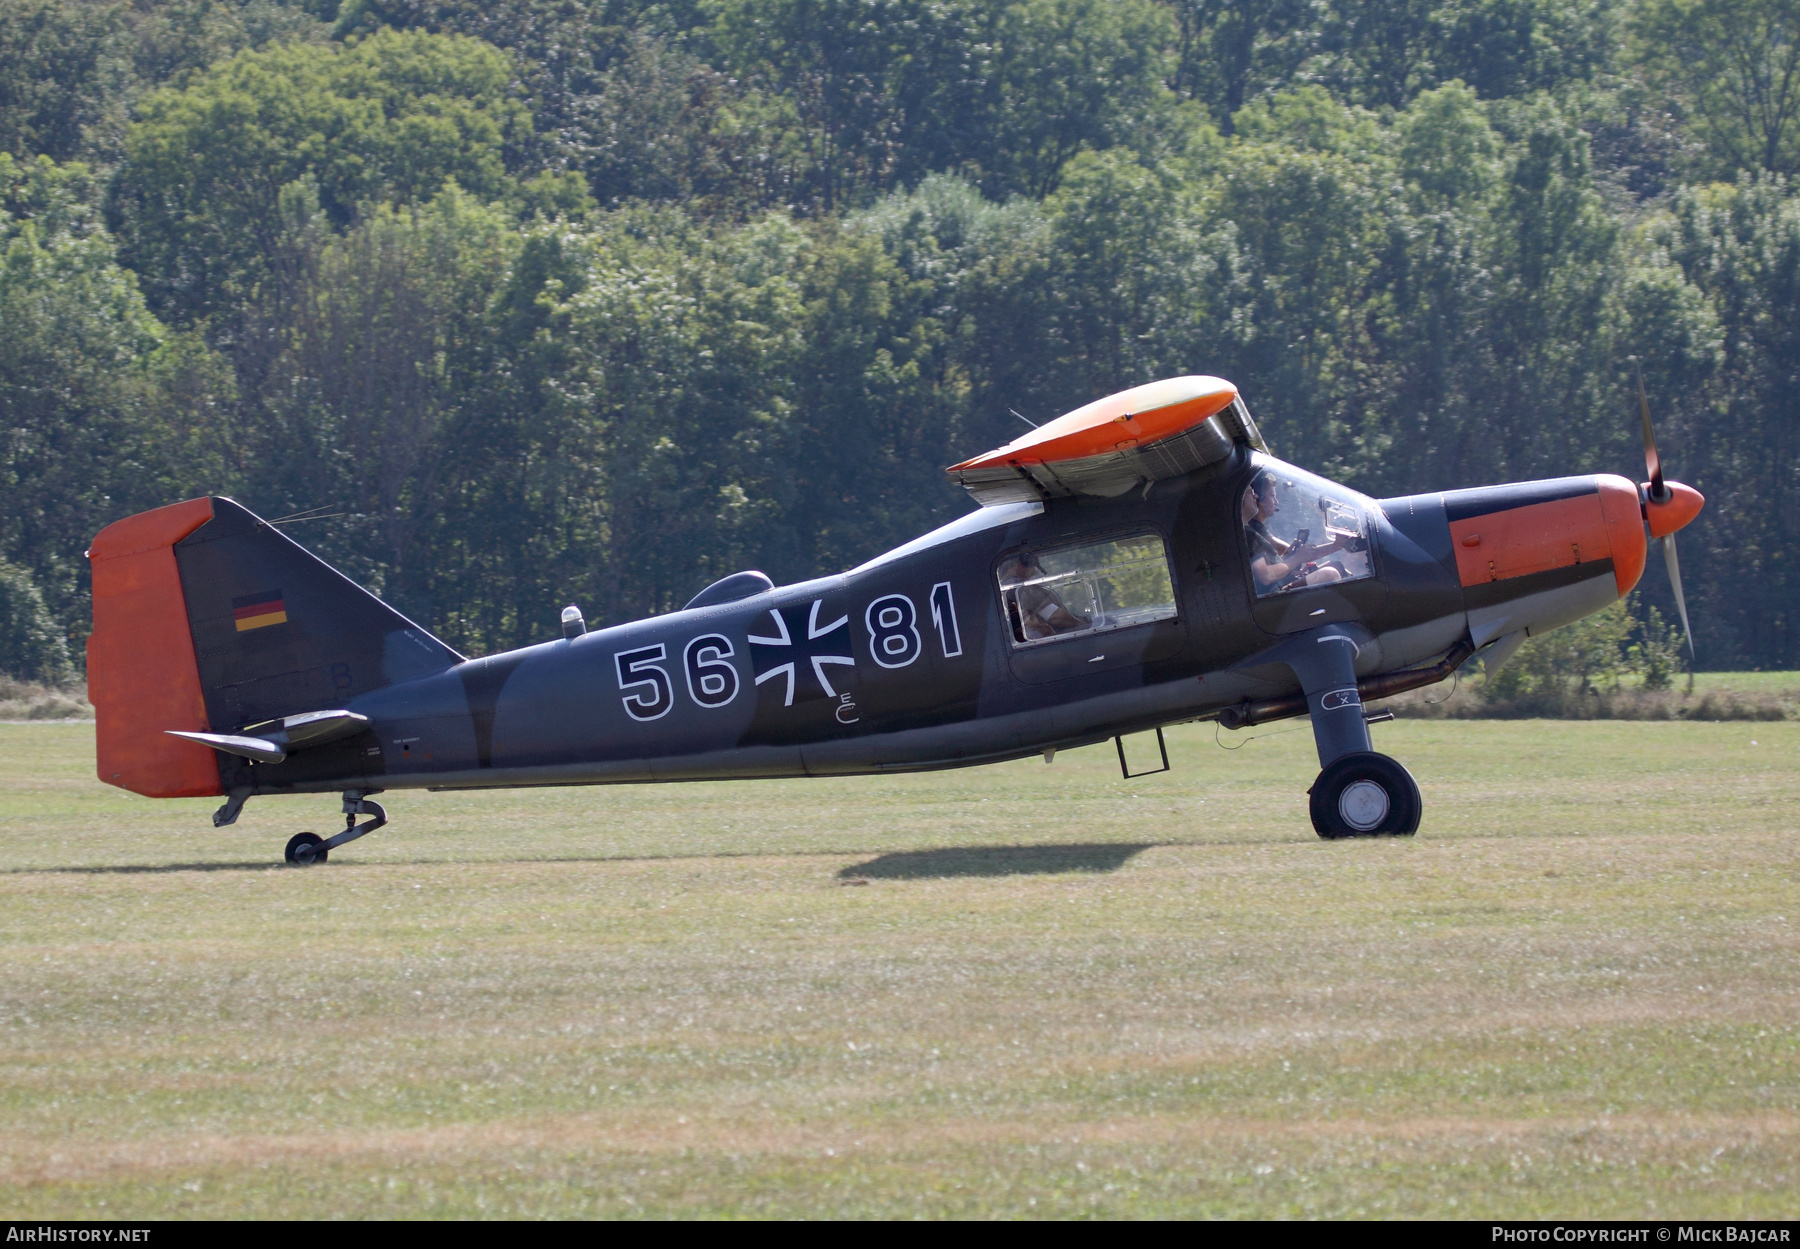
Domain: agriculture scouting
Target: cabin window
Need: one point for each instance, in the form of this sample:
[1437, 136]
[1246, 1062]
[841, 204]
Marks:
[1072, 591]
[1302, 533]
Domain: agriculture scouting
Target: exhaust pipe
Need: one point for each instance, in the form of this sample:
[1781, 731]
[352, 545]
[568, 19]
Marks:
[1248, 713]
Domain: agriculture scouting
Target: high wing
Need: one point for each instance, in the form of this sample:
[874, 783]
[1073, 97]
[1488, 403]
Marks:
[1146, 434]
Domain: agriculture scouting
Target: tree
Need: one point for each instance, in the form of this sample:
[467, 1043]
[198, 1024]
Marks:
[1736, 65]
[32, 645]
[1228, 51]
[664, 125]
[103, 411]
[388, 120]
[1383, 51]
[70, 70]
[1302, 234]
[1074, 75]
[852, 70]
[681, 351]
[1127, 264]
[987, 273]
[59, 66]
[381, 345]
[562, 51]
[872, 417]
[1738, 439]
[887, 91]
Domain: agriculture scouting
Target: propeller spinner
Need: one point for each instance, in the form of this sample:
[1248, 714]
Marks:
[1668, 506]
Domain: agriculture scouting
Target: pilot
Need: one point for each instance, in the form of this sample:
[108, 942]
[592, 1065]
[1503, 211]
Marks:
[1042, 613]
[1274, 562]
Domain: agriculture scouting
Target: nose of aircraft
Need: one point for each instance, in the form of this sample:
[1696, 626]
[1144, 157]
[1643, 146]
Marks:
[1679, 505]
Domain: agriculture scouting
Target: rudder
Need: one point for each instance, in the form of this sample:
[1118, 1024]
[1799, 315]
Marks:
[142, 674]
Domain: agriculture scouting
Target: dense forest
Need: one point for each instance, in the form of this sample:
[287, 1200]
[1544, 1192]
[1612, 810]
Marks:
[514, 303]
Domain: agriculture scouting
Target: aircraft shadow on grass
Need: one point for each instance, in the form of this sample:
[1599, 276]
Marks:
[142, 869]
[996, 861]
[901, 865]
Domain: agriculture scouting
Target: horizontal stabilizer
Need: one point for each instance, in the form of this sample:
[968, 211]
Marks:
[273, 740]
[313, 728]
[257, 748]
[1146, 434]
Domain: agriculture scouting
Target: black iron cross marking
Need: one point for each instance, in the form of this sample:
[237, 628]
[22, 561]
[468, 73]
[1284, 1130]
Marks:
[810, 649]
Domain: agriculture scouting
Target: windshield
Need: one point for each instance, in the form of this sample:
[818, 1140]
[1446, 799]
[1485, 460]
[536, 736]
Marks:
[1302, 533]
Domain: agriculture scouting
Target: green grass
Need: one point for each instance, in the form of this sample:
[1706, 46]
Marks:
[1058, 993]
[1742, 682]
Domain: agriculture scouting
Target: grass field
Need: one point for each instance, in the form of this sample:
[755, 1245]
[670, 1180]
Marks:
[1016, 990]
[1743, 682]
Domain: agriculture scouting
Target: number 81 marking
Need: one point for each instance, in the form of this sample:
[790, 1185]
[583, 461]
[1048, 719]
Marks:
[893, 624]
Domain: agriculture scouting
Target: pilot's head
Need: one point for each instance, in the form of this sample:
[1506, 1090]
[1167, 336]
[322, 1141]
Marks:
[1021, 567]
[1267, 504]
[1260, 502]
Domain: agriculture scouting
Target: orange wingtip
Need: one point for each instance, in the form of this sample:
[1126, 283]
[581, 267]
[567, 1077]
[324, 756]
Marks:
[1118, 422]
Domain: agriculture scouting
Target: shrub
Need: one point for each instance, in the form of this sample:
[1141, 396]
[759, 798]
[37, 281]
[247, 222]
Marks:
[1555, 674]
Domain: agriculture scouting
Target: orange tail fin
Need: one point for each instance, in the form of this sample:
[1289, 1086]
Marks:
[143, 677]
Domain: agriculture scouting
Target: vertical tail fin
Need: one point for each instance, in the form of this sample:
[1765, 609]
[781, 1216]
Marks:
[206, 618]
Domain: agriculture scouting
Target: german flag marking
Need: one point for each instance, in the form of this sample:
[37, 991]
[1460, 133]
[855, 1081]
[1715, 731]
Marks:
[257, 611]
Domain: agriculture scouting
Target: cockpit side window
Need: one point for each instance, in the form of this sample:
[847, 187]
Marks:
[1072, 591]
[1302, 534]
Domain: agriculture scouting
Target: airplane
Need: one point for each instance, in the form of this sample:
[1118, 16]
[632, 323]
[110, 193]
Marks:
[1141, 561]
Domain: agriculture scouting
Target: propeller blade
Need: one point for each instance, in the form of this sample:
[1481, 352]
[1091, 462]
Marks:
[1652, 460]
[1668, 546]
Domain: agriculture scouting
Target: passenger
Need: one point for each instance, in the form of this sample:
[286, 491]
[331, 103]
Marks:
[1042, 613]
[1274, 562]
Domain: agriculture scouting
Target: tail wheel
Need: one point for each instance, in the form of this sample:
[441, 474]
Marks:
[305, 849]
[1365, 795]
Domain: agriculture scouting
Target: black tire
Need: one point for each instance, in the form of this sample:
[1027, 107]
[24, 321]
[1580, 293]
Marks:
[1365, 795]
[306, 849]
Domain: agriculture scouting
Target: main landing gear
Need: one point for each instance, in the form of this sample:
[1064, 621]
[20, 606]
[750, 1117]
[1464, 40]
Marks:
[1359, 793]
[305, 849]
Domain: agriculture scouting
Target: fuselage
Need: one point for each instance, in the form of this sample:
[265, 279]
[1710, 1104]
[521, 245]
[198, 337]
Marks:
[950, 651]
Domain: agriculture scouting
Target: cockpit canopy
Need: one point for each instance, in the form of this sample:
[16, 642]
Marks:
[1302, 531]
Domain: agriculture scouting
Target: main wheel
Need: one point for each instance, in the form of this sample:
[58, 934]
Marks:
[1365, 795]
[305, 849]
